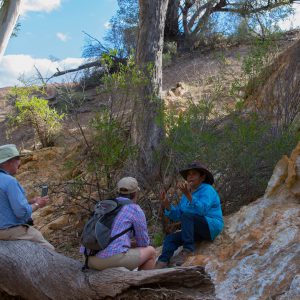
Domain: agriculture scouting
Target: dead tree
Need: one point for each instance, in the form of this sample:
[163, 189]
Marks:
[28, 271]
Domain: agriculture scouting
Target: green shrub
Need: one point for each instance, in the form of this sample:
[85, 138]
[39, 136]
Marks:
[34, 110]
[111, 146]
[166, 59]
[157, 239]
[170, 51]
[240, 149]
[108, 149]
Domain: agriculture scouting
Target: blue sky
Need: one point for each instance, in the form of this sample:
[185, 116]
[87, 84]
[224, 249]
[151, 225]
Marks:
[53, 29]
[59, 32]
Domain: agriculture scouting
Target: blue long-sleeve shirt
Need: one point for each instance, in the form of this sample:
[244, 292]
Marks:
[205, 202]
[14, 207]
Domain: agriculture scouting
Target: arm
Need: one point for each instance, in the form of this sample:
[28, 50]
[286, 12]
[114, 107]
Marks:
[201, 202]
[18, 202]
[174, 213]
[170, 211]
[22, 207]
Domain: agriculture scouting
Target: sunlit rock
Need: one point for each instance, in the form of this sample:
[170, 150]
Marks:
[258, 254]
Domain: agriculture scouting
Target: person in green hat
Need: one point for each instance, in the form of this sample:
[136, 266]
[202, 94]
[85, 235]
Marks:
[15, 209]
[199, 211]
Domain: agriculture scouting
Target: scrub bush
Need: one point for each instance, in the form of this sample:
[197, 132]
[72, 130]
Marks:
[31, 108]
[241, 150]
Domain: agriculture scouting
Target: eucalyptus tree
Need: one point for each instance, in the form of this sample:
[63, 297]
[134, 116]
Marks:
[147, 132]
[9, 13]
[195, 16]
[188, 20]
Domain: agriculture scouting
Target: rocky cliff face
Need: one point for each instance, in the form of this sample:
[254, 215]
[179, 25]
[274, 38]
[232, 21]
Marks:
[258, 254]
[278, 95]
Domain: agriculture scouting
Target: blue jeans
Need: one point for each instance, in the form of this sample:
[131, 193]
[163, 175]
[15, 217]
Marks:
[193, 228]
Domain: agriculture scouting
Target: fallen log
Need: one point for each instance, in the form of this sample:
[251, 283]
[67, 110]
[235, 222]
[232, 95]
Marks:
[28, 271]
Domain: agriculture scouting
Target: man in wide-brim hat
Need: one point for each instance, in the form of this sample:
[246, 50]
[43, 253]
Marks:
[199, 211]
[15, 209]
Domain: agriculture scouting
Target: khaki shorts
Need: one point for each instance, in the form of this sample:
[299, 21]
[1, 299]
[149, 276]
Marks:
[24, 232]
[130, 260]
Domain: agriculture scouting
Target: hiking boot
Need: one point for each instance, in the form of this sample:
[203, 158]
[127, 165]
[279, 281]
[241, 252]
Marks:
[161, 265]
[179, 259]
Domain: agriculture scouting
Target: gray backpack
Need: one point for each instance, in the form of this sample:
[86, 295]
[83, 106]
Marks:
[96, 234]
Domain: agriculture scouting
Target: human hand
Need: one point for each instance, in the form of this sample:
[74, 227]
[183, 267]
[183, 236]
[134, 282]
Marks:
[42, 201]
[164, 200]
[185, 189]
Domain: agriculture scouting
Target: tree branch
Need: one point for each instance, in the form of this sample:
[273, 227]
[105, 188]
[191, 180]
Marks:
[247, 7]
[198, 12]
[81, 67]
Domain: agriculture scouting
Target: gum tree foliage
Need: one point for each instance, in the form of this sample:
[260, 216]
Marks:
[197, 17]
[123, 32]
[188, 22]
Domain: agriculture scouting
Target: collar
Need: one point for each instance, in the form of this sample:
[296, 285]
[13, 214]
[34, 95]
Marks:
[3, 171]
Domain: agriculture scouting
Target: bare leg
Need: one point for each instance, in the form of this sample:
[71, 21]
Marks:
[147, 258]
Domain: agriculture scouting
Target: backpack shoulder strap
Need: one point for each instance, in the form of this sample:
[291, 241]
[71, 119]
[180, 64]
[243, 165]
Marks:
[120, 234]
[122, 203]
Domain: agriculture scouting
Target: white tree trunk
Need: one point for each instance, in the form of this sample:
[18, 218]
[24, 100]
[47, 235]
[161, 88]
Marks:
[9, 14]
[28, 271]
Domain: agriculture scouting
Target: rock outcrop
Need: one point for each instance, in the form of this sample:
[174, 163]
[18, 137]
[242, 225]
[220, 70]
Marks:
[258, 254]
[278, 95]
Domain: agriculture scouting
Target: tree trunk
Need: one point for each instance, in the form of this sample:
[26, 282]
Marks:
[172, 21]
[147, 131]
[28, 271]
[9, 13]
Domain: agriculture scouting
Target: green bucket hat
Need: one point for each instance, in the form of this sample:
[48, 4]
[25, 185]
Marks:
[8, 152]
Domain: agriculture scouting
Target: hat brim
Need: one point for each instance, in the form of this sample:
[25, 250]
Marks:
[209, 178]
[127, 192]
[7, 159]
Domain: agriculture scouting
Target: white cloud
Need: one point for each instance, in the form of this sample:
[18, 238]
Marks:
[62, 36]
[107, 25]
[14, 66]
[292, 22]
[39, 5]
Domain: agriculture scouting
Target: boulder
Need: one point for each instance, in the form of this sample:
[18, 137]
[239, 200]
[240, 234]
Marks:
[258, 254]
